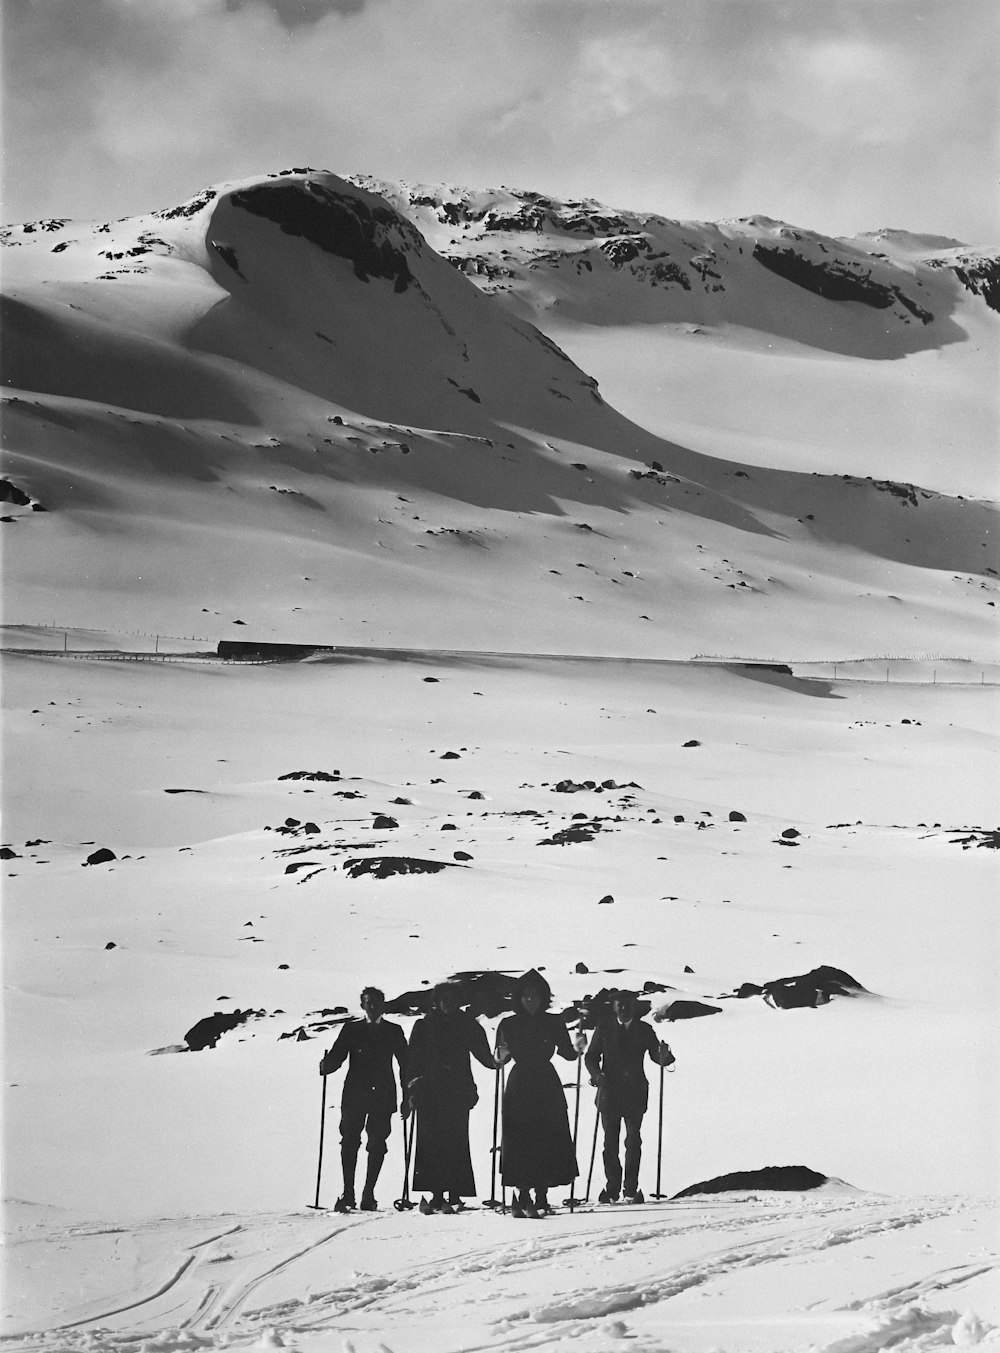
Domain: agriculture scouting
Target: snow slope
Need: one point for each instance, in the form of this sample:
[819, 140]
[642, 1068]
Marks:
[277, 405]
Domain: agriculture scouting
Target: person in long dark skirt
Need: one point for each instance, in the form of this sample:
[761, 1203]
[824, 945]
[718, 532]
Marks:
[536, 1151]
[443, 1092]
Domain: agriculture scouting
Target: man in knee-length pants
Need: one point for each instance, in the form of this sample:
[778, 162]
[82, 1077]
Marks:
[369, 1098]
[616, 1063]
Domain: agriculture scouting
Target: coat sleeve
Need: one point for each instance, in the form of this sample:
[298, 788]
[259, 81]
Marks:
[402, 1055]
[652, 1042]
[594, 1054]
[415, 1055]
[337, 1055]
[564, 1044]
[479, 1044]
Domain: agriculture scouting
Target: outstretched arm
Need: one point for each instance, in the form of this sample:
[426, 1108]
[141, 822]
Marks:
[337, 1055]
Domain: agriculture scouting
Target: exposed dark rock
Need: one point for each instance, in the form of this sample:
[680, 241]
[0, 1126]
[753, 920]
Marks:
[383, 823]
[746, 989]
[686, 1010]
[978, 837]
[736, 817]
[834, 280]
[790, 833]
[7, 854]
[584, 831]
[339, 223]
[811, 989]
[693, 743]
[310, 775]
[207, 1032]
[102, 856]
[10, 493]
[384, 866]
[606, 900]
[978, 273]
[788, 1178]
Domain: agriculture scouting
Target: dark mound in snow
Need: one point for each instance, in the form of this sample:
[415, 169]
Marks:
[788, 1178]
[813, 988]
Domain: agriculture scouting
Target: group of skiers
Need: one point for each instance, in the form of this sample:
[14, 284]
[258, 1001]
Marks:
[537, 1150]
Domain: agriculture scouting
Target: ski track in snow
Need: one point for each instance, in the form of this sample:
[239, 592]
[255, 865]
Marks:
[194, 1308]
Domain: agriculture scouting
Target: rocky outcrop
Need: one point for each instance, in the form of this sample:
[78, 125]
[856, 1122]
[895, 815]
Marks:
[834, 280]
[339, 223]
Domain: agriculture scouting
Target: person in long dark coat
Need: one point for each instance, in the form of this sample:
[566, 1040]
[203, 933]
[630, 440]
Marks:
[443, 1092]
[536, 1150]
[369, 1098]
[616, 1063]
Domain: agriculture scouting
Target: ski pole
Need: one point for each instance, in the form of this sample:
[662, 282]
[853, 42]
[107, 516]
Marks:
[593, 1147]
[322, 1128]
[492, 1200]
[403, 1204]
[571, 1201]
[659, 1138]
[503, 1186]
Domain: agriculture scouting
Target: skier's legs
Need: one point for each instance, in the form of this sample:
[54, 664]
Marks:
[611, 1121]
[379, 1125]
[633, 1153]
[352, 1120]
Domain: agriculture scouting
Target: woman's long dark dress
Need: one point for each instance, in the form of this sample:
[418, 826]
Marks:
[537, 1146]
[440, 1073]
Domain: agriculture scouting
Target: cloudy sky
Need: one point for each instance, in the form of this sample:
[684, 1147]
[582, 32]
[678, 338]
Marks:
[840, 115]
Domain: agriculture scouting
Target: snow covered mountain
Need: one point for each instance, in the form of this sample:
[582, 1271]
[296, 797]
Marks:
[278, 405]
[585, 262]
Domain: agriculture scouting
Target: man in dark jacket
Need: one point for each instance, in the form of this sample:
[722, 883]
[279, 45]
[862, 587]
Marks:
[369, 1098]
[616, 1063]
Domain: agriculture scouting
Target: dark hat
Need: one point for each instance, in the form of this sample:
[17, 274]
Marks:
[533, 980]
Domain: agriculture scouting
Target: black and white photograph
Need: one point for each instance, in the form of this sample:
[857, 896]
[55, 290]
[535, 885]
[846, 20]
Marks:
[500, 670]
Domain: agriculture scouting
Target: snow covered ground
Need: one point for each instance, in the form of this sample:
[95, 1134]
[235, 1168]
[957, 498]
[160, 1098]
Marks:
[170, 1193]
[224, 428]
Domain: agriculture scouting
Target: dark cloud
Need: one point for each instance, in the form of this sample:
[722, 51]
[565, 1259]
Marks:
[296, 13]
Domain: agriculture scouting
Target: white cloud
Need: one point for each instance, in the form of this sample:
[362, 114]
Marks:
[840, 116]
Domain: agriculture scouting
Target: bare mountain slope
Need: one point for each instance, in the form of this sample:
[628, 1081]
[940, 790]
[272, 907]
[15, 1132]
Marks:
[277, 404]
